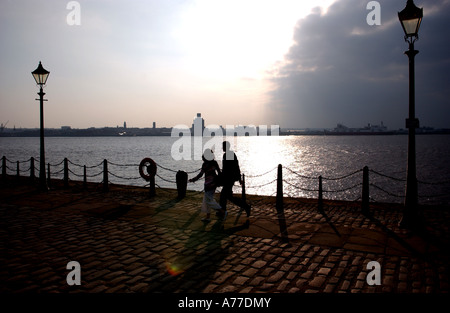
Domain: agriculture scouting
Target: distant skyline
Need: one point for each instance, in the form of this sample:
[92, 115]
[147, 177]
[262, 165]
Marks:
[297, 64]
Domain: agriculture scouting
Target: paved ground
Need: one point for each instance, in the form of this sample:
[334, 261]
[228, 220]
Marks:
[127, 242]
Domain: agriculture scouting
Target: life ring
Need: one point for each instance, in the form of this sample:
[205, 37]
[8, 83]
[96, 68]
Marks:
[150, 167]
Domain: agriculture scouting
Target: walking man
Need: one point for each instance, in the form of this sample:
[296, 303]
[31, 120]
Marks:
[230, 174]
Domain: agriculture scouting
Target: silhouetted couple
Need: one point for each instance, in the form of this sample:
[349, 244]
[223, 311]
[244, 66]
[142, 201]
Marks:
[226, 178]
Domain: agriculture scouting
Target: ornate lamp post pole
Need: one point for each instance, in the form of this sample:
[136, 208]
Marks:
[40, 76]
[410, 19]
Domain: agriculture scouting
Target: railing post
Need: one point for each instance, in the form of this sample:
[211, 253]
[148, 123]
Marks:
[279, 204]
[66, 173]
[84, 177]
[365, 191]
[244, 197]
[18, 169]
[48, 174]
[4, 167]
[181, 180]
[105, 175]
[320, 202]
[32, 169]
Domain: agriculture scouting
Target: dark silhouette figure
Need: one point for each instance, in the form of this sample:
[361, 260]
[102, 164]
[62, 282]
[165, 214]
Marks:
[230, 174]
[209, 168]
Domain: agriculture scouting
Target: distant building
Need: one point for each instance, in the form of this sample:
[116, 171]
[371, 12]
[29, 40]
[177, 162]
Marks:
[340, 128]
[198, 126]
[154, 125]
[66, 128]
[125, 125]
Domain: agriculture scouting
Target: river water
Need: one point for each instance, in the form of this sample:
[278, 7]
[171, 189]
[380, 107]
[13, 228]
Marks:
[303, 160]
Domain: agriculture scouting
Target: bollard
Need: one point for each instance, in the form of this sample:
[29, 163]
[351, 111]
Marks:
[365, 191]
[18, 169]
[181, 179]
[105, 176]
[66, 173]
[32, 169]
[320, 202]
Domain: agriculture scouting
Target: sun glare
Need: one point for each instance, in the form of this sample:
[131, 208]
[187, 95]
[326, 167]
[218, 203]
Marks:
[239, 39]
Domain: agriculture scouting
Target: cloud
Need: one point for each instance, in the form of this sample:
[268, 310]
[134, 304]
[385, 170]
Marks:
[342, 70]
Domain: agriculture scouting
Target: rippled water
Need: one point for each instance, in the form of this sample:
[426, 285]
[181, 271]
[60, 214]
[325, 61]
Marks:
[303, 158]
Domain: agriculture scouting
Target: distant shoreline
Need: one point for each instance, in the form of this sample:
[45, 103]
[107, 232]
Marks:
[145, 132]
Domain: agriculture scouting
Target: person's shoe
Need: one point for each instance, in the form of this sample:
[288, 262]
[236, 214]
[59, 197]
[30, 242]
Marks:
[206, 220]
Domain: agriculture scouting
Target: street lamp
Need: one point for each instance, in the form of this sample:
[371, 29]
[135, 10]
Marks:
[410, 19]
[40, 76]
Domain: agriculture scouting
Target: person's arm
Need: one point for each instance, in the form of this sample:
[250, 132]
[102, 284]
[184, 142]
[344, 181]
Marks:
[197, 177]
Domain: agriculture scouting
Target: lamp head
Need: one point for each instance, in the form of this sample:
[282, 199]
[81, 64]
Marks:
[411, 18]
[40, 75]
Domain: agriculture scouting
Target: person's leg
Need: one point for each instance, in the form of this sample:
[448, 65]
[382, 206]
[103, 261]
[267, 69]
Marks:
[227, 189]
[210, 201]
[205, 207]
[224, 195]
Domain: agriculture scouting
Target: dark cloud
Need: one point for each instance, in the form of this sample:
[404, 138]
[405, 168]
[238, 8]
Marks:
[341, 70]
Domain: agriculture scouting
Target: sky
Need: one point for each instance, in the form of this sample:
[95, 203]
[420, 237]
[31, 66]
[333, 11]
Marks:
[297, 64]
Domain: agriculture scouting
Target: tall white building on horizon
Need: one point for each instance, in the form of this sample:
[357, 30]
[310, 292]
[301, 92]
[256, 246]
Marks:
[198, 125]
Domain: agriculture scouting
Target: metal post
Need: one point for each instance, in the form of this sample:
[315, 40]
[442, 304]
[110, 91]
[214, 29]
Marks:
[42, 179]
[320, 203]
[18, 169]
[105, 176]
[279, 206]
[84, 177]
[365, 191]
[48, 174]
[4, 167]
[410, 218]
[279, 203]
[66, 173]
[32, 169]
[244, 197]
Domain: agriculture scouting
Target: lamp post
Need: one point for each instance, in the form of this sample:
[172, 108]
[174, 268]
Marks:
[410, 18]
[40, 76]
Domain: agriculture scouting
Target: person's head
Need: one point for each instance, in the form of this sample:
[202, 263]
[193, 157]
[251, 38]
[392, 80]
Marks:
[208, 155]
[226, 146]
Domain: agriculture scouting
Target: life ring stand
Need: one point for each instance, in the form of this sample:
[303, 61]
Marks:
[150, 166]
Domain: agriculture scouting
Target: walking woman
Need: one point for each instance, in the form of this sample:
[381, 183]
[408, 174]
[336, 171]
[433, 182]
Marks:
[209, 168]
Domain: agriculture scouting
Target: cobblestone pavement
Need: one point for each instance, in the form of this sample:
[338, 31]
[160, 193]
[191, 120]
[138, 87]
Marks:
[127, 242]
